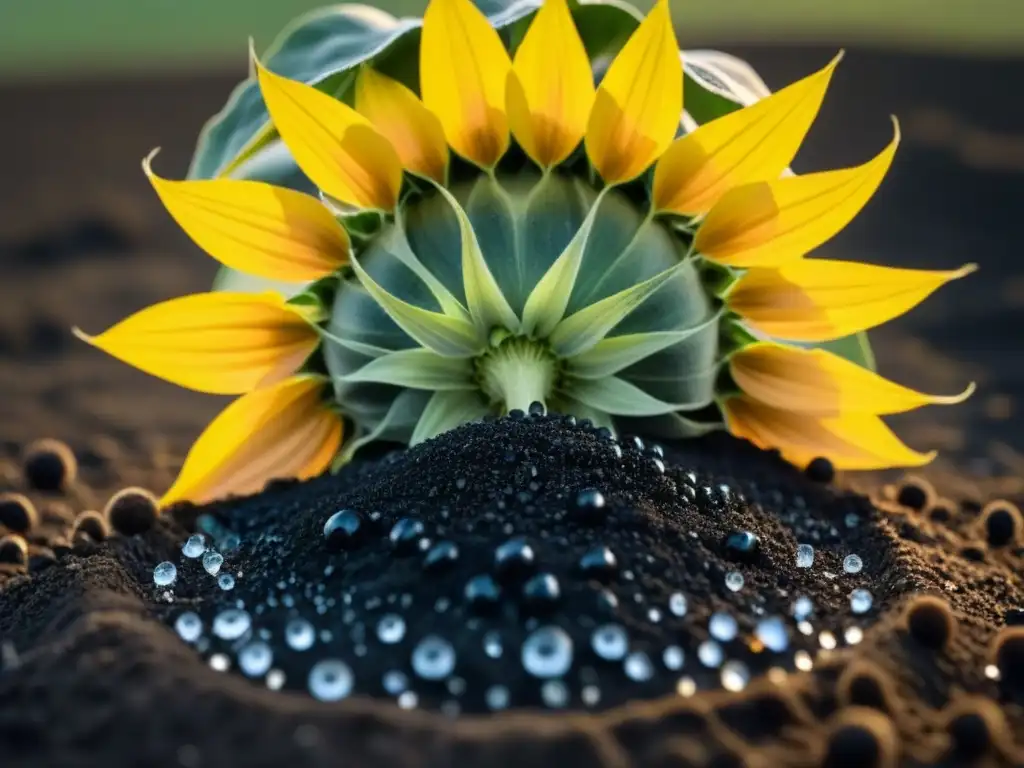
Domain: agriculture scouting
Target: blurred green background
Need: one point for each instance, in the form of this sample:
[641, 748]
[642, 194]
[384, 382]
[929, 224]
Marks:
[80, 37]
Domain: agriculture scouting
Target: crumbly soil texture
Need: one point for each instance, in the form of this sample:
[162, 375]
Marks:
[526, 591]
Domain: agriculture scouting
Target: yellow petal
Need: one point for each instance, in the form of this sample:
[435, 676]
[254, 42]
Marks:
[413, 130]
[222, 343]
[767, 223]
[256, 228]
[551, 87]
[820, 383]
[463, 72]
[819, 300]
[756, 143]
[639, 102]
[849, 441]
[283, 431]
[340, 151]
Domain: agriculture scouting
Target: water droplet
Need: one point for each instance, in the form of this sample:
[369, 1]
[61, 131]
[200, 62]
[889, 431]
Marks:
[275, 679]
[860, 601]
[772, 633]
[405, 535]
[686, 687]
[741, 544]
[165, 574]
[231, 624]
[330, 680]
[599, 564]
[492, 645]
[441, 556]
[195, 546]
[590, 695]
[408, 700]
[212, 561]
[482, 593]
[589, 507]
[802, 660]
[734, 581]
[226, 582]
[547, 652]
[722, 626]
[638, 667]
[554, 694]
[827, 640]
[735, 676]
[497, 697]
[804, 556]
[852, 564]
[395, 682]
[710, 653]
[653, 615]
[677, 604]
[433, 658]
[610, 642]
[390, 628]
[299, 635]
[189, 626]
[853, 635]
[802, 607]
[514, 559]
[541, 593]
[673, 658]
[255, 659]
[220, 662]
[344, 529]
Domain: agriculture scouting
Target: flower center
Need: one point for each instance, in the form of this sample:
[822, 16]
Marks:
[517, 372]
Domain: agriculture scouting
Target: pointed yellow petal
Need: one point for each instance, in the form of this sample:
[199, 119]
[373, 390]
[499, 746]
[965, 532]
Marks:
[819, 383]
[769, 223]
[639, 102]
[256, 228]
[222, 343]
[753, 144]
[819, 300]
[340, 151]
[413, 130]
[551, 88]
[463, 72]
[849, 441]
[282, 431]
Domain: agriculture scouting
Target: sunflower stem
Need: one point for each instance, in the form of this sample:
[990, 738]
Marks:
[517, 373]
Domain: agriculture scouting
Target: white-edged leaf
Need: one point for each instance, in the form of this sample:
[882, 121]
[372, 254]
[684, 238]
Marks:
[401, 249]
[447, 410]
[404, 412]
[584, 329]
[447, 336]
[620, 398]
[370, 350]
[545, 307]
[487, 304]
[611, 355]
[416, 369]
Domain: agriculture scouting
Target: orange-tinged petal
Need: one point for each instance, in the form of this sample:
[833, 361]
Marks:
[756, 143]
[639, 102]
[819, 383]
[413, 130]
[551, 87]
[767, 223]
[256, 228]
[282, 431]
[819, 300]
[339, 149]
[849, 441]
[222, 343]
[463, 73]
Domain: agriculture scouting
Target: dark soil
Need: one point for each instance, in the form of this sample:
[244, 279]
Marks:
[92, 672]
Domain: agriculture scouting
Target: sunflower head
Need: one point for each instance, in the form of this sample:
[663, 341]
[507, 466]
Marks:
[533, 214]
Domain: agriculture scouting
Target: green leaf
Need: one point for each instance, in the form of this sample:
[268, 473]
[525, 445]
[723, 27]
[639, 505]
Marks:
[611, 355]
[620, 398]
[447, 410]
[856, 348]
[362, 348]
[565, 404]
[584, 329]
[447, 336]
[487, 304]
[242, 282]
[401, 417]
[396, 243]
[670, 426]
[546, 304]
[416, 369]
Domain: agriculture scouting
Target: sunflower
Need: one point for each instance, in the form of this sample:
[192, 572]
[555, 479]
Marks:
[520, 229]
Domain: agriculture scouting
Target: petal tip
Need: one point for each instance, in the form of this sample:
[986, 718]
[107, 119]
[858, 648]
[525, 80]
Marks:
[147, 162]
